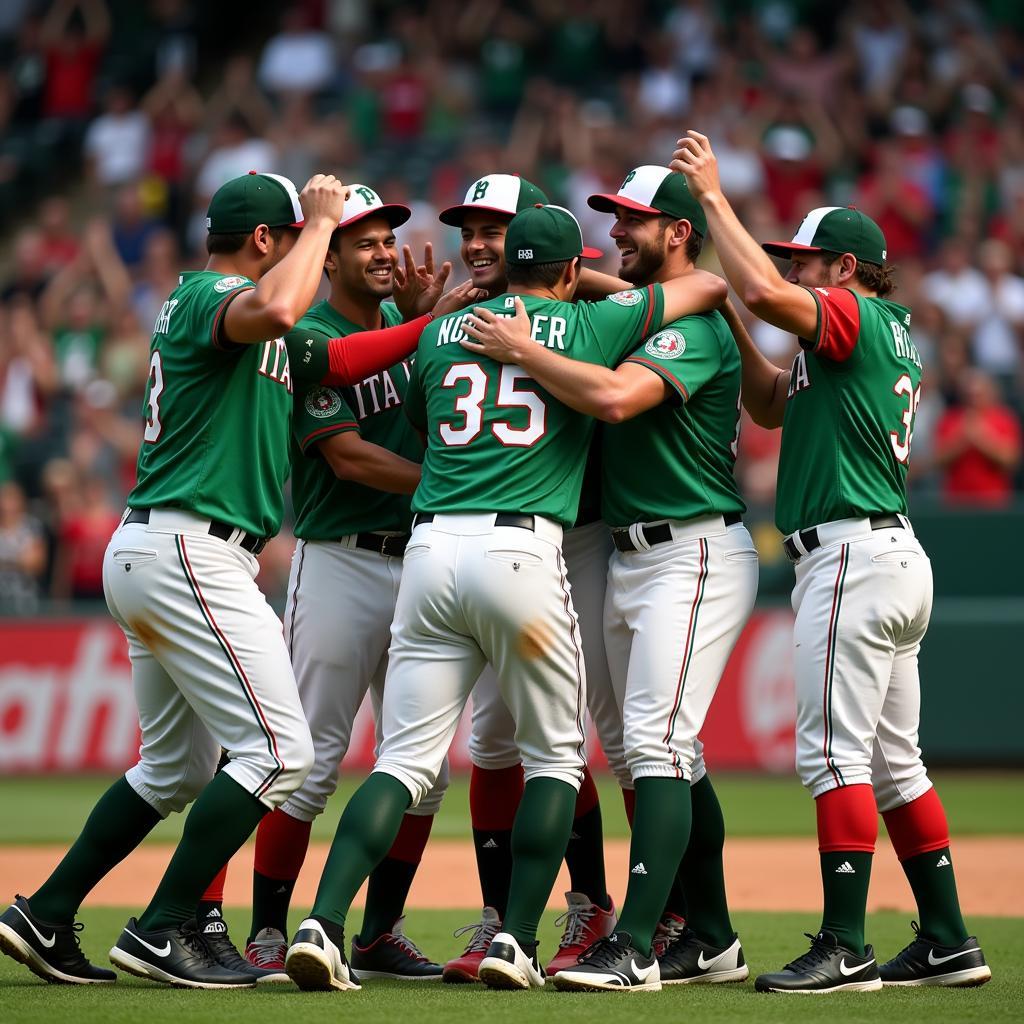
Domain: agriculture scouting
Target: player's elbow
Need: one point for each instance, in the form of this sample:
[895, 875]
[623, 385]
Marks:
[759, 296]
[612, 409]
[279, 317]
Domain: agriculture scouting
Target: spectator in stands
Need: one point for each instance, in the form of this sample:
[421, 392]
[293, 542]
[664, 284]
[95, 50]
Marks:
[73, 35]
[59, 243]
[130, 228]
[28, 373]
[117, 142]
[82, 540]
[978, 445]
[299, 59]
[22, 553]
[900, 205]
[999, 336]
[956, 287]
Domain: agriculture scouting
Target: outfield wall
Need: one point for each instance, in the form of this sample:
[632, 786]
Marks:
[66, 702]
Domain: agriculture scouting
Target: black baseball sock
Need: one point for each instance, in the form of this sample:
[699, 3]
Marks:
[493, 849]
[584, 856]
[702, 872]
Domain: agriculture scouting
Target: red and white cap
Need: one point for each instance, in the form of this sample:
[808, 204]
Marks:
[364, 202]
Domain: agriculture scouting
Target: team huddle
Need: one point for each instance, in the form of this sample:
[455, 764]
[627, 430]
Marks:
[519, 489]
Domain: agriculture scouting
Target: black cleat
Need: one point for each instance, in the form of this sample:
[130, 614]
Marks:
[611, 964]
[924, 962]
[316, 962]
[689, 961]
[176, 956]
[214, 930]
[825, 967]
[393, 955]
[48, 950]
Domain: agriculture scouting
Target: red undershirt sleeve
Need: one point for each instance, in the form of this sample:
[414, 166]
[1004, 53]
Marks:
[361, 355]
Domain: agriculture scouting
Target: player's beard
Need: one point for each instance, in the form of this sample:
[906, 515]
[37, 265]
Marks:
[643, 268]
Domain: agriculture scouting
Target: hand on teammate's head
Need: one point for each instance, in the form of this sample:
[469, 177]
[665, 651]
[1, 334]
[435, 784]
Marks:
[323, 198]
[695, 159]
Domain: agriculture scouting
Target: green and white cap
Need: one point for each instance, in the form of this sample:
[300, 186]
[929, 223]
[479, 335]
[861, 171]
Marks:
[496, 193]
[364, 202]
[835, 229]
[545, 234]
[651, 189]
[246, 202]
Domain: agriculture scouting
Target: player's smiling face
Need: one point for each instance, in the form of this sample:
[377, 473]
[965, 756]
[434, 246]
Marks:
[641, 243]
[483, 249]
[367, 254]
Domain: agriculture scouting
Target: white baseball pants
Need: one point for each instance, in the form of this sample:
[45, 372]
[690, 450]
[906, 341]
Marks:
[474, 593]
[209, 664]
[862, 602]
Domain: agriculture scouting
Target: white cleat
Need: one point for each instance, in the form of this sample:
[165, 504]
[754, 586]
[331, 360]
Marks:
[507, 965]
[315, 963]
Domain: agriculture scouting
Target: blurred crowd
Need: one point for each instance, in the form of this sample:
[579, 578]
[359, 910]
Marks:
[120, 118]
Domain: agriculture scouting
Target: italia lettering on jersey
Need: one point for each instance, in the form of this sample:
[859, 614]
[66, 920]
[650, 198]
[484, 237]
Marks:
[496, 440]
[327, 508]
[215, 413]
[849, 421]
[675, 461]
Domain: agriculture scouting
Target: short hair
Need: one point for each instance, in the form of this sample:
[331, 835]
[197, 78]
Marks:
[875, 277]
[228, 243]
[547, 275]
[694, 241]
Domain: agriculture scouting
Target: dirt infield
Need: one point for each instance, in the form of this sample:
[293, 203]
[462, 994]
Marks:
[763, 874]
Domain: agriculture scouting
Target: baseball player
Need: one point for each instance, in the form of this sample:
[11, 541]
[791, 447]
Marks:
[209, 664]
[489, 586]
[355, 462]
[496, 780]
[681, 584]
[863, 591]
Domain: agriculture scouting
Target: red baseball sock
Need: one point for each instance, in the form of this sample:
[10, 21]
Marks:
[215, 890]
[918, 827]
[281, 844]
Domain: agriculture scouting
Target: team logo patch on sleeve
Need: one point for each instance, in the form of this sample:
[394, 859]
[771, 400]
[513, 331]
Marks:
[666, 345]
[630, 297]
[225, 284]
[322, 402]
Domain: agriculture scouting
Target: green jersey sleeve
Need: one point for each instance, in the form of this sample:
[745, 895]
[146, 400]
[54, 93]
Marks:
[619, 322]
[207, 313]
[686, 356]
[320, 412]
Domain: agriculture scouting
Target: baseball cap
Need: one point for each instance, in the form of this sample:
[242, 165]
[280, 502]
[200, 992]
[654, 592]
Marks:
[835, 229]
[364, 202]
[246, 202]
[652, 189]
[545, 234]
[496, 193]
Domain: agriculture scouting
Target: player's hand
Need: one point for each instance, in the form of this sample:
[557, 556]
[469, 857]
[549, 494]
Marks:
[694, 159]
[323, 199]
[502, 338]
[417, 287]
[459, 298]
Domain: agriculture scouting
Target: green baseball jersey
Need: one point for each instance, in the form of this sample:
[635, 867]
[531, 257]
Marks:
[849, 419]
[675, 461]
[496, 440]
[217, 414]
[327, 508]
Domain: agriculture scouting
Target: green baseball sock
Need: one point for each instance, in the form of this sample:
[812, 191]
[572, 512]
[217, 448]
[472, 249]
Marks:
[934, 883]
[539, 838]
[367, 829]
[221, 820]
[844, 878]
[118, 823]
[702, 872]
[661, 830]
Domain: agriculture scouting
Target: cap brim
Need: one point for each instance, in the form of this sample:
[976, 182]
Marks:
[455, 215]
[590, 253]
[395, 214]
[606, 203]
[786, 249]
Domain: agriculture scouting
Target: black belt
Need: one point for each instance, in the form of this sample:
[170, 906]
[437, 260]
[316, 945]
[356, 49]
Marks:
[388, 545]
[657, 534]
[809, 538]
[222, 531]
[501, 519]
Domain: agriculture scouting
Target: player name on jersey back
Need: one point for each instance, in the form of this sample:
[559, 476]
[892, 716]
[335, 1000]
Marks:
[545, 329]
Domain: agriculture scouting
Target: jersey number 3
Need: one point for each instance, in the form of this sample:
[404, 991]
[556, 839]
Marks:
[470, 407]
[156, 387]
[905, 386]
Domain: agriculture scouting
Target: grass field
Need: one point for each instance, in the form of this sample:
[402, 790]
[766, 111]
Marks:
[769, 939]
[52, 810]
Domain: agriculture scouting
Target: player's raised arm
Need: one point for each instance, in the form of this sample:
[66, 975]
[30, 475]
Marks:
[766, 405]
[286, 291]
[608, 395]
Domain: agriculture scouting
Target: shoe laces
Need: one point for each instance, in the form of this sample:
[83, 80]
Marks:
[73, 930]
[575, 920]
[602, 953]
[195, 942]
[816, 955]
[483, 933]
[666, 932]
[404, 943]
[265, 953]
